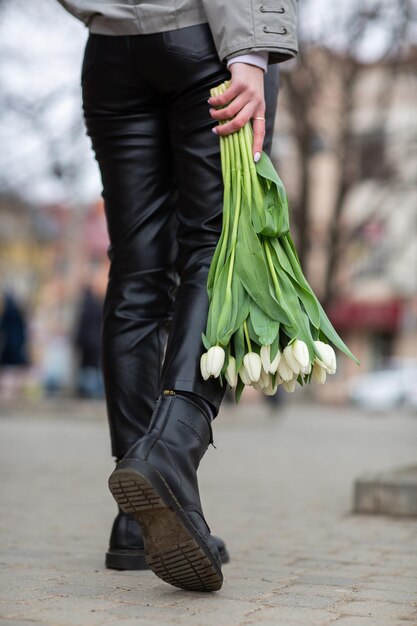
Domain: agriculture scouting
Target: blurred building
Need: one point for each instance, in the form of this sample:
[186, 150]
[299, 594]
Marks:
[49, 255]
[361, 163]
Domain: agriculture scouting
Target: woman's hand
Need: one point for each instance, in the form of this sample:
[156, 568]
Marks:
[245, 96]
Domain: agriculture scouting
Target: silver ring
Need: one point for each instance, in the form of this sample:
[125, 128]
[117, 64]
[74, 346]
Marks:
[258, 117]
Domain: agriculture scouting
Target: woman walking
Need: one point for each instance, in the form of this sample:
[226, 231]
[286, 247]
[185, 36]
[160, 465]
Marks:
[147, 73]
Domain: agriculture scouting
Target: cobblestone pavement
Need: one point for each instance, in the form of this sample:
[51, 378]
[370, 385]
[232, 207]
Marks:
[278, 489]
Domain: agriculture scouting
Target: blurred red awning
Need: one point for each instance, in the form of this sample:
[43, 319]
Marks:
[360, 315]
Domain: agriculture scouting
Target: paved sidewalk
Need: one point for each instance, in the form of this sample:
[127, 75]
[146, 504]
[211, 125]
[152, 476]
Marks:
[278, 489]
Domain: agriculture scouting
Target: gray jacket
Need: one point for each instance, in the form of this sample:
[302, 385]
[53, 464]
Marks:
[237, 26]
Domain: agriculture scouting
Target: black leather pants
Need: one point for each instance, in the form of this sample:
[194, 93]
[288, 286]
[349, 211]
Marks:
[146, 111]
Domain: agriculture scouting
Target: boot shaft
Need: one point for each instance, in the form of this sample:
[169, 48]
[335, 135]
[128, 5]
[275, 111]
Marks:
[182, 425]
[177, 438]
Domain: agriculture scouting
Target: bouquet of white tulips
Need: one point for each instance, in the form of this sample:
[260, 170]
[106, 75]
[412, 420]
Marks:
[265, 326]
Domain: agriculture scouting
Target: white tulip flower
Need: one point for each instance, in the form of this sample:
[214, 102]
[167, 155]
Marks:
[306, 370]
[284, 370]
[274, 363]
[319, 374]
[268, 365]
[265, 378]
[253, 365]
[203, 366]
[215, 360]
[289, 385]
[270, 390]
[264, 381]
[292, 362]
[258, 385]
[328, 357]
[266, 357]
[332, 358]
[244, 375]
[300, 352]
[231, 374]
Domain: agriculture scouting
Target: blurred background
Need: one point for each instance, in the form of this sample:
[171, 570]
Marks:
[345, 145]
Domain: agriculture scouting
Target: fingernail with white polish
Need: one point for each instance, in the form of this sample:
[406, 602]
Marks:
[214, 130]
[257, 157]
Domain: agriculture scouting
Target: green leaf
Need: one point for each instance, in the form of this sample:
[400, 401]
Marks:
[309, 302]
[215, 266]
[225, 321]
[216, 306]
[237, 313]
[324, 323]
[205, 341]
[303, 331]
[265, 215]
[252, 332]
[282, 257]
[239, 346]
[252, 270]
[291, 254]
[238, 390]
[274, 347]
[265, 327]
[327, 328]
[275, 201]
[315, 333]
[240, 299]
[303, 289]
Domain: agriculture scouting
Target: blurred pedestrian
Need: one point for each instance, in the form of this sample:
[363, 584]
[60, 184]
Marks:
[87, 342]
[147, 72]
[14, 357]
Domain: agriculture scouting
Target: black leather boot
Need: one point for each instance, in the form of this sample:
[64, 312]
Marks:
[126, 550]
[156, 481]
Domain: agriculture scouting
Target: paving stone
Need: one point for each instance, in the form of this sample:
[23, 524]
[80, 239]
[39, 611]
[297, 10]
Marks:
[332, 581]
[310, 601]
[395, 595]
[377, 609]
[289, 616]
[401, 583]
[18, 622]
[356, 620]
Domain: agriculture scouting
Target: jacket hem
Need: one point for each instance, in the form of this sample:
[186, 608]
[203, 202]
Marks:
[102, 25]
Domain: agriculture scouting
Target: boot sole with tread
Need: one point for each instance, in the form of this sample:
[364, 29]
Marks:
[174, 550]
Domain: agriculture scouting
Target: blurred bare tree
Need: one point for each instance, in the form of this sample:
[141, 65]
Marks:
[43, 135]
[332, 52]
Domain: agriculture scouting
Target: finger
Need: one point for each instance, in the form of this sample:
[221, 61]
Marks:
[258, 136]
[231, 110]
[236, 123]
[224, 98]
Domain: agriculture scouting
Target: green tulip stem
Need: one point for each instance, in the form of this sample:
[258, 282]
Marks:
[237, 160]
[216, 91]
[246, 159]
[226, 204]
[272, 268]
[234, 238]
[226, 173]
[256, 187]
[245, 329]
